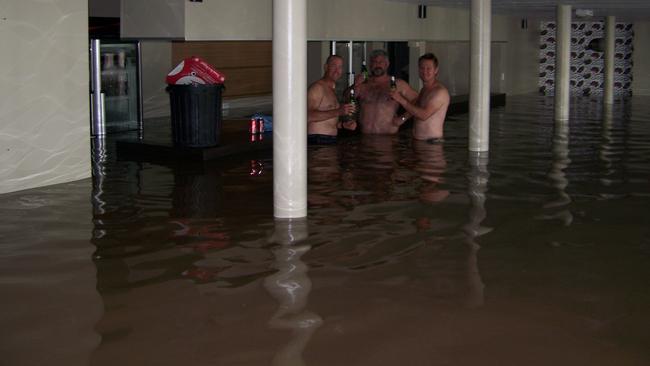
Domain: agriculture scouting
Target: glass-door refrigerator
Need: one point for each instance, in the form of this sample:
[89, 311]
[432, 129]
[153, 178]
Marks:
[116, 98]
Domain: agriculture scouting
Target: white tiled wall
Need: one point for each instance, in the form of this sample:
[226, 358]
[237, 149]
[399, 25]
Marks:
[44, 100]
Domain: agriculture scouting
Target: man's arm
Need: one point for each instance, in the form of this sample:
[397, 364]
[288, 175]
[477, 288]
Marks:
[405, 89]
[435, 103]
[315, 96]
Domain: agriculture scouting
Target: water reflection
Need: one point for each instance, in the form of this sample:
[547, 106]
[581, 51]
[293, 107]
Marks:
[98, 156]
[376, 170]
[178, 220]
[431, 164]
[184, 255]
[325, 173]
[478, 177]
[557, 175]
[290, 287]
[197, 191]
[607, 140]
[611, 154]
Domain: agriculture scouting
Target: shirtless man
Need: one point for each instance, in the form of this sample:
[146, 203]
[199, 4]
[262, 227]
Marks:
[323, 108]
[377, 108]
[430, 108]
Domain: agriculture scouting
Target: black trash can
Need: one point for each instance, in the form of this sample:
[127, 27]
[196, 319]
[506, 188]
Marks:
[196, 114]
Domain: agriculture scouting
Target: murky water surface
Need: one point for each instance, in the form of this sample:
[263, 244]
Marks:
[413, 254]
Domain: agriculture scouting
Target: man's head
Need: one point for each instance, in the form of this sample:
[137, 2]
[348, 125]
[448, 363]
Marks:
[333, 67]
[379, 63]
[428, 66]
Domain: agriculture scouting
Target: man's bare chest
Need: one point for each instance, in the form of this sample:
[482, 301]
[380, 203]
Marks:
[376, 94]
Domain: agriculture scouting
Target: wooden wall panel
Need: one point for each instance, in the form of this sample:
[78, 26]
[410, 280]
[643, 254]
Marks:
[246, 64]
[249, 81]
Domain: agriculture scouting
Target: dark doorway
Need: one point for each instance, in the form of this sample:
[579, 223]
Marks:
[398, 52]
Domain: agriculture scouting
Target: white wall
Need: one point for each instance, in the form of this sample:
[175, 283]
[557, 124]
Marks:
[228, 20]
[327, 20]
[522, 57]
[369, 20]
[156, 63]
[381, 20]
[44, 99]
[152, 19]
[641, 57]
[454, 62]
[453, 65]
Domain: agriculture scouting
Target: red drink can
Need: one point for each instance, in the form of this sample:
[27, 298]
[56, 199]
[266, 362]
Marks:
[253, 126]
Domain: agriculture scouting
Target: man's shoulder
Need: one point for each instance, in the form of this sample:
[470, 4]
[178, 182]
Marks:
[317, 87]
[318, 84]
[441, 91]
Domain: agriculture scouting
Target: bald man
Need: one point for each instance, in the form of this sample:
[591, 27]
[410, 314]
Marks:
[323, 108]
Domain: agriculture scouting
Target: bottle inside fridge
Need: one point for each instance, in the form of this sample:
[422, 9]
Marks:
[119, 67]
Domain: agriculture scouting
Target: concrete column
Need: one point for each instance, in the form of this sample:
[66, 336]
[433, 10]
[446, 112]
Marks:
[610, 44]
[290, 108]
[479, 93]
[562, 62]
[416, 49]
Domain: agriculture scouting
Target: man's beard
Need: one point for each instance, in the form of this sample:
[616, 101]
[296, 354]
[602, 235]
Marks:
[378, 71]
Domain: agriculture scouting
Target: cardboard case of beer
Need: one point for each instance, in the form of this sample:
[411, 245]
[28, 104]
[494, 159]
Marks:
[193, 70]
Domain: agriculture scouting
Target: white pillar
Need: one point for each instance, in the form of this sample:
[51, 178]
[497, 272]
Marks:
[562, 62]
[289, 108]
[350, 66]
[479, 94]
[416, 49]
[610, 44]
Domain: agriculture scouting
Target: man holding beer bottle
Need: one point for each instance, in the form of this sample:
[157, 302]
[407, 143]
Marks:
[377, 108]
[430, 108]
[323, 108]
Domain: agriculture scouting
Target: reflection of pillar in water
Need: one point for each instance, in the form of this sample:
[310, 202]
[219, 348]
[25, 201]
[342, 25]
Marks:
[557, 176]
[606, 145]
[98, 157]
[290, 286]
[478, 178]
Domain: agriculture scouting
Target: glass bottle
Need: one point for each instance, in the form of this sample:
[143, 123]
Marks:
[355, 103]
[364, 70]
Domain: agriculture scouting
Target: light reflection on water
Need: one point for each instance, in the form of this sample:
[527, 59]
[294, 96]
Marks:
[538, 252]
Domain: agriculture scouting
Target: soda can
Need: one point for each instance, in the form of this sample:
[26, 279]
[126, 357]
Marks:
[253, 126]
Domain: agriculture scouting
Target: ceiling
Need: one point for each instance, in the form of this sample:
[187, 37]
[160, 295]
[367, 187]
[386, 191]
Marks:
[628, 10]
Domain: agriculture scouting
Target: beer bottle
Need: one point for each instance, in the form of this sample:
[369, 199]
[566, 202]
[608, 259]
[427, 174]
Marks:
[393, 83]
[353, 101]
[364, 70]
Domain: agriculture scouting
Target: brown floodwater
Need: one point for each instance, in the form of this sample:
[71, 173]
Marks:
[412, 254]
